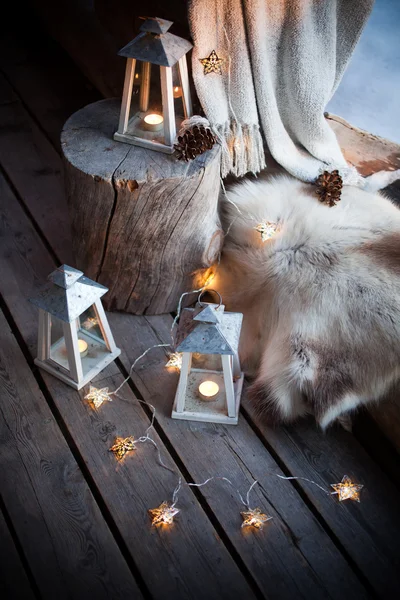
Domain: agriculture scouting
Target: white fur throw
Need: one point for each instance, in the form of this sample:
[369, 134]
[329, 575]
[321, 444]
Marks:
[321, 299]
[282, 62]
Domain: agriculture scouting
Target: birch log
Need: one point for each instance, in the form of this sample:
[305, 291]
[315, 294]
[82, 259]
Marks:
[144, 224]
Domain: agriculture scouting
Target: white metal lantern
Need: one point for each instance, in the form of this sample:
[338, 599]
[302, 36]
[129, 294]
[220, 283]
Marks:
[74, 340]
[154, 127]
[211, 381]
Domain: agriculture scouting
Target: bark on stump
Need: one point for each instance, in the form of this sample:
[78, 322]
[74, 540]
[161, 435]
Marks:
[144, 224]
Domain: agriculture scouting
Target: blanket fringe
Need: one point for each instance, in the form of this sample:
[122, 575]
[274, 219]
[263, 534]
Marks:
[242, 148]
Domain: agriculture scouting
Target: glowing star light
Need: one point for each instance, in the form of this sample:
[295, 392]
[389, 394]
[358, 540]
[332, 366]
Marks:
[98, 396]
[90, 323]
[254, 518]
[347, 490]
[212, 63]
[122, 446]
[175, 360]
[164, 514]
[267, 229]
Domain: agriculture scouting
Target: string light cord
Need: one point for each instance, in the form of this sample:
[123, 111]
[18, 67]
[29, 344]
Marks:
[146, 437]
[345, 489]
[179, 309]
[114, 393]
[303, 479]
[246, 502]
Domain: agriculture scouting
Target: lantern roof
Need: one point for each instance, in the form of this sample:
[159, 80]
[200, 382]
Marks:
[209, 313]
[156, 45]
[68, 294]
[199, 332]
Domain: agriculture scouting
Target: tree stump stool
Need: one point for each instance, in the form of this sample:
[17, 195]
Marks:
[144, 224]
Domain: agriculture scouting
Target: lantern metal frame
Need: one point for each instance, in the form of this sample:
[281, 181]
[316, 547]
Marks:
[67, 296]
[209, 330]
[154, 45]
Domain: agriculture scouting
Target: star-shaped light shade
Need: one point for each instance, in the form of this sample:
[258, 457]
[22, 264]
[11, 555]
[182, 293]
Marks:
[267, 229]
[175, 360]
[164, 514]
[347, 490]
[212, 63]
[254, 518]
[122, 446]
[98, 396]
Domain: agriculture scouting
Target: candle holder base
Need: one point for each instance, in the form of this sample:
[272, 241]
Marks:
[58, 371]
[138, 134]
[197, 409]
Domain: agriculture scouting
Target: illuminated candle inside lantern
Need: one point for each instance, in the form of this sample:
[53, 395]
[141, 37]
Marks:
[83, 348]
[177, 91]
[208, 390]
[153, 122]
[136, 79]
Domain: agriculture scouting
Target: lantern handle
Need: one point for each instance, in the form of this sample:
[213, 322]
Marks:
[209, 290]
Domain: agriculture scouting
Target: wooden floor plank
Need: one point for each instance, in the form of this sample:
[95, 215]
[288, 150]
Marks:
[293, 557]
[52, 88]
[172, 562]
[14, 583]
[365, 530]
[355, 529]
[34, 168]
[67, 543]
[43, 75]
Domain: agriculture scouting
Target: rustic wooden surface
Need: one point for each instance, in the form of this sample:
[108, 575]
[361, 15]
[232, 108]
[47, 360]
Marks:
[74, 522]
[14, 582]
[144, 224]
[47, 496]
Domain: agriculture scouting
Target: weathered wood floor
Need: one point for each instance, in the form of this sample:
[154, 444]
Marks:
[73, 521]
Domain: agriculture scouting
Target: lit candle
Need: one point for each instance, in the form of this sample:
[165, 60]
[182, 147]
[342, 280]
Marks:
[153, 122]
[177, 91]
[136, 79]
[83, 348]
[208, 390]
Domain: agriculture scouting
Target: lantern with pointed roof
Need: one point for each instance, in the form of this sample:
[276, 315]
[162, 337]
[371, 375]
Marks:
[153, 123]
[211, 381]
[75, 341]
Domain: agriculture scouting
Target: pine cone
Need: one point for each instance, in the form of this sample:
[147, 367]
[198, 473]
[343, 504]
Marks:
[329, 187]
[194, 142]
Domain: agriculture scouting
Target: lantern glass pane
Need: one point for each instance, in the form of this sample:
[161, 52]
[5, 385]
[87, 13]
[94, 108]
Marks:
[177, 90]
[92, 345]
[137, 79]
[146, 110]
[207, 362]
[88, 325]
[58, 349]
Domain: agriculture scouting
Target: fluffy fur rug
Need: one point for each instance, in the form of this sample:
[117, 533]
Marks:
[321, 299]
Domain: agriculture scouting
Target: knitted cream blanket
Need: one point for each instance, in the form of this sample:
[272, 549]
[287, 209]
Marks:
[281, 62]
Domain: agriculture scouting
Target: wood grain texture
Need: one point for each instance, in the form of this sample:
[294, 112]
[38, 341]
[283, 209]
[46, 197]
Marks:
[14, 584]
[366, 529]
[292, 557]
[144, 224]
[171, 562]
[34, 169]
[68, 545]
[89, 44]
[42, 74]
